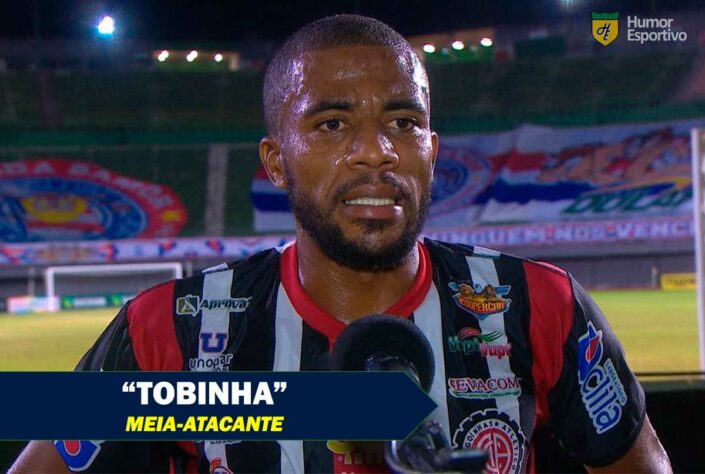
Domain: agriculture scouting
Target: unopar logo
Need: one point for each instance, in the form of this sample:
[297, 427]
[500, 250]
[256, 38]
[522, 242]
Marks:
[481, 302]
[605, 27]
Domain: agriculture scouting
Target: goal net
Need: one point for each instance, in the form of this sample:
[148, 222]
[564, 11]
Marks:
[698, 165]
[91, 286]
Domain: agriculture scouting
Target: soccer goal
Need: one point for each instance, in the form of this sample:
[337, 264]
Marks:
[697, 147]
[88, 283]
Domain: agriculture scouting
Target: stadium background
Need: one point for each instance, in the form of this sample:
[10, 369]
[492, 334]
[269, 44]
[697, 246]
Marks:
[192, 128]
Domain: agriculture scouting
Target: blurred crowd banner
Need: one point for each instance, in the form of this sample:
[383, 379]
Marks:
[666, 228]
[542, 174]
[58, 199]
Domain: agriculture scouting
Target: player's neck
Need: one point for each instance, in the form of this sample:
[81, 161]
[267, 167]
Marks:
[349, 294]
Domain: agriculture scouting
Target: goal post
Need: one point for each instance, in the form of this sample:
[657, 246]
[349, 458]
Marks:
[103, 279]
[697, 139]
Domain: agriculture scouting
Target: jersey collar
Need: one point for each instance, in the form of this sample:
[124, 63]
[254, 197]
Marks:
[322, 321]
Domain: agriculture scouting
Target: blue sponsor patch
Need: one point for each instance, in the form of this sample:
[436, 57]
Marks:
[600, 388]
[589, 351]
[78, 455]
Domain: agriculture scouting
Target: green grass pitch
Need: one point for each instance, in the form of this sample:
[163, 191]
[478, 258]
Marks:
[658, 330]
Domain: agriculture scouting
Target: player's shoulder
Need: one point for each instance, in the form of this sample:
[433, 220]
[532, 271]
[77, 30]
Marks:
[530, 269]
[249, 271]
[442, 249]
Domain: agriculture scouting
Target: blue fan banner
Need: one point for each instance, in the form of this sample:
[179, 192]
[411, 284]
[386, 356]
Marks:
[210, 405]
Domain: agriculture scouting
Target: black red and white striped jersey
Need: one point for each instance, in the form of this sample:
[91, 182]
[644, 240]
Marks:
[517, 344]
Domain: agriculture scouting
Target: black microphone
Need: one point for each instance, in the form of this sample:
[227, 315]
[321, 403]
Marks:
[382, 343]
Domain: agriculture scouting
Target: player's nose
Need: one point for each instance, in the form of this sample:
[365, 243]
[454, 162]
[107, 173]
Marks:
[372, 148]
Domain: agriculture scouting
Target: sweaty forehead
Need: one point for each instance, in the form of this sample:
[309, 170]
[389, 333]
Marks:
[353, 70]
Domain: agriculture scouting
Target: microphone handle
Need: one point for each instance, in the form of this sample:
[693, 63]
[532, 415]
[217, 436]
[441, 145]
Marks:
[391, 362]
[427, 450]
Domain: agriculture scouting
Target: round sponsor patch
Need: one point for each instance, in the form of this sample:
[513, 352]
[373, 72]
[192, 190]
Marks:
[496, 433]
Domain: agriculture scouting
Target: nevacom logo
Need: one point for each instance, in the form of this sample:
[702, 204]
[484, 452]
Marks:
[605, 27]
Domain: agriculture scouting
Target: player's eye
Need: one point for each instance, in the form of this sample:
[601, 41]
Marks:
[402, 123]
[331, 125]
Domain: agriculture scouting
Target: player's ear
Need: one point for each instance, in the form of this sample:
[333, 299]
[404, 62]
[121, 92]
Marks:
[434, 146]
[272, 161]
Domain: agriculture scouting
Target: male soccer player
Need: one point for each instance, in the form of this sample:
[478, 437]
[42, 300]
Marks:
[517, 343]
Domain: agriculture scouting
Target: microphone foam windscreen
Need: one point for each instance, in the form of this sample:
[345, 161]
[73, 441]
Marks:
[381, 334]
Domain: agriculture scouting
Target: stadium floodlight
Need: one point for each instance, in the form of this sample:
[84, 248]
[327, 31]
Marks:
[163, 56]
[218, 57]
[106, 26]
[486, 42]
[429, 48]
[458, 45]
[192, 55]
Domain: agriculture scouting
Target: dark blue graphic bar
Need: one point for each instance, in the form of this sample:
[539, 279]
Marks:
[210, 405]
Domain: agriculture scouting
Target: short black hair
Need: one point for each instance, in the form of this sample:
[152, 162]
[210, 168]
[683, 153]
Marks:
[328, 32]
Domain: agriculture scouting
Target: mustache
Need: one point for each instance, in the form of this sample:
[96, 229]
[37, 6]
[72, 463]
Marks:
[373, 179]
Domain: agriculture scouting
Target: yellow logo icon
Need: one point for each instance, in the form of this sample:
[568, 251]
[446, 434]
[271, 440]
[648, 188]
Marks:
[605, 27]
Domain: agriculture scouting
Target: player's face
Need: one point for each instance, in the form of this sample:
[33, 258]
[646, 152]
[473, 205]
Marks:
[358, 152]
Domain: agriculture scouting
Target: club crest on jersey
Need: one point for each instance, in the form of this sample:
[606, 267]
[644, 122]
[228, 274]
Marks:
[78, 455]
[600, 388]
[481, 302]
[497, 434]
[216, 467]
[473, 340]
[191, 305]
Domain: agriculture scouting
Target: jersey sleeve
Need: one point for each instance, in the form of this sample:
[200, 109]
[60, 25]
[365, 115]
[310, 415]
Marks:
[596, 406]
[115, 350]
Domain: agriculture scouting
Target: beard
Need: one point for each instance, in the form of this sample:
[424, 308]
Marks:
[364, 254]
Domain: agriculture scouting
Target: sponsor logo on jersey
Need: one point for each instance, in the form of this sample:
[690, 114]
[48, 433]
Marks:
[497, 434]
[78, 455]
[190, 305]
[474, 388]
[600, 388]
[218, 364]
[213, 342]
[216, 467]
[481, 302]
[472, 340]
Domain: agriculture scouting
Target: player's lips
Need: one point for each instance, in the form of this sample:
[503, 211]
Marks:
[372, 202]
